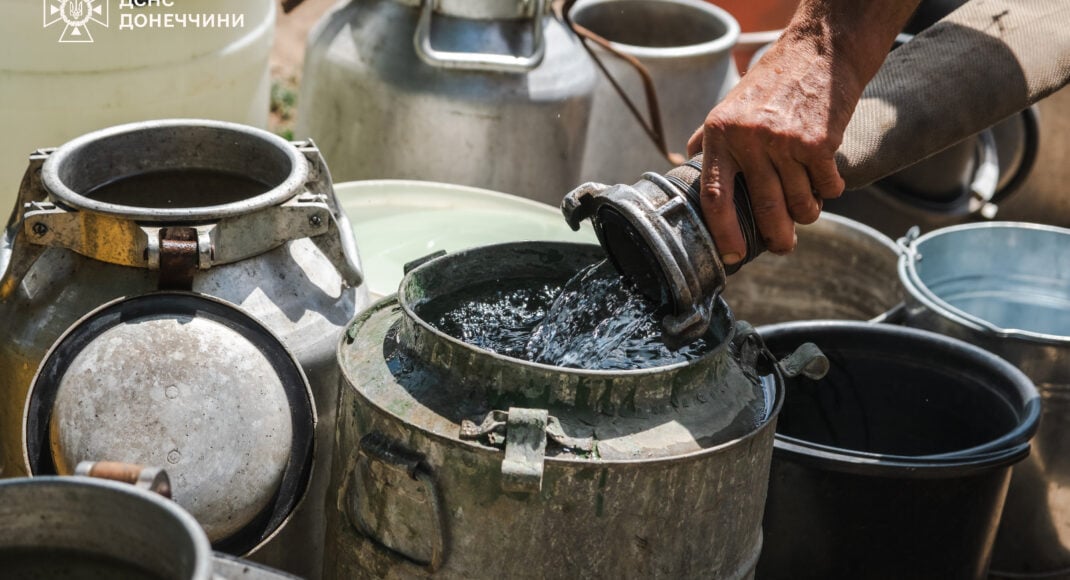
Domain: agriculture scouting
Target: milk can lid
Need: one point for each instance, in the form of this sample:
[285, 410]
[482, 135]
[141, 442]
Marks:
[189, 383]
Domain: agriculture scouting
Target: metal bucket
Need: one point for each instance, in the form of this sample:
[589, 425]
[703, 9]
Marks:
[83, 528]
[457, 462]
[686, 45]
[896, 464]
[80, 527]
[841, 269]
[251, 220]
[1005, 286]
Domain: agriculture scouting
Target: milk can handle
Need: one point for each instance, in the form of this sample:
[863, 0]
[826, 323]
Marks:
[478, 60]
[339, 246]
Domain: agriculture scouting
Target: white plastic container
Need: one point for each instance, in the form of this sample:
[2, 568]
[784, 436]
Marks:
[397, 221]
[53, 91]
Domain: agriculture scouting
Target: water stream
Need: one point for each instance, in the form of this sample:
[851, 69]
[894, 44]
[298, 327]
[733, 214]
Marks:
[596, 320]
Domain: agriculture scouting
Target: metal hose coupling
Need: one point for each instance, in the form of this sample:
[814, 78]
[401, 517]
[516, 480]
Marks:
[654, 233]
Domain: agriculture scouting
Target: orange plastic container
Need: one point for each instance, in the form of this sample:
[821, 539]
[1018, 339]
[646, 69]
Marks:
[760, 22]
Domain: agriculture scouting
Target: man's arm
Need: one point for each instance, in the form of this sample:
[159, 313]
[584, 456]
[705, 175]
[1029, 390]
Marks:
[782, 124]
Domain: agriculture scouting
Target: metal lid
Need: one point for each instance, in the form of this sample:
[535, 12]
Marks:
[190, 383]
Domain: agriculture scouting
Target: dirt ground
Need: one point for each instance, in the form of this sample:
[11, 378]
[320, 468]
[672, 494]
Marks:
[287, 57]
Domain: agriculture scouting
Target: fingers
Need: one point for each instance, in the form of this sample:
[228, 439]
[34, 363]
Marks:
[718, 208]
[694, 144]
[782, 190]
[768, 202]
[825, 178]
[803, 206]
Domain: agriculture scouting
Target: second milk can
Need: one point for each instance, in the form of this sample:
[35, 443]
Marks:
[232, 219]
[457, 461]
[488, 93]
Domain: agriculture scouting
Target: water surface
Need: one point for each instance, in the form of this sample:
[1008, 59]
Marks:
[596, 320]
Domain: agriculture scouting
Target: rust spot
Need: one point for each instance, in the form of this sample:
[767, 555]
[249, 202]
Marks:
[116, 471]
[178, 258]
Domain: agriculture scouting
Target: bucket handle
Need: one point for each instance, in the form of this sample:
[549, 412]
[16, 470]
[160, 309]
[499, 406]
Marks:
[806, 360]
[897, 315]
[505, 63]
[1030, 148]
[378, 471]
[985, 181]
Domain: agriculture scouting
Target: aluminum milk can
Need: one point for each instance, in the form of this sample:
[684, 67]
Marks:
[232, 213]
[456, 462]
[488, 93]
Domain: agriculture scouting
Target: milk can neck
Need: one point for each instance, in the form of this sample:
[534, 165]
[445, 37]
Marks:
[175, 171]
[471, 370]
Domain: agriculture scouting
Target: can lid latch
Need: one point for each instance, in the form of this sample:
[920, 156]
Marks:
[524, 434]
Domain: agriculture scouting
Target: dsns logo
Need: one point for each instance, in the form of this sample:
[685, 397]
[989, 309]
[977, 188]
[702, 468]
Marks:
[76, 16]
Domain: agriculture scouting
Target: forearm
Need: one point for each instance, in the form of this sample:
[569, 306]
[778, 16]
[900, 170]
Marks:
[852, 36]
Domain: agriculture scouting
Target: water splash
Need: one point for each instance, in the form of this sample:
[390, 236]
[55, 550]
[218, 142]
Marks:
[596, 320]
[601, 321]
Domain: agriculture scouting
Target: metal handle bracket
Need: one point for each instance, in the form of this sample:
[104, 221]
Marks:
[481, 61]
[336, 241]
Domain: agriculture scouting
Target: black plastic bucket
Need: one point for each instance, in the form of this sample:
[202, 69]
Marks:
[896, 464]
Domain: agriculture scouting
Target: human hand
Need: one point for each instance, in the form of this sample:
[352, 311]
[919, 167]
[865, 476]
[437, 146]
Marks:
[782, 124]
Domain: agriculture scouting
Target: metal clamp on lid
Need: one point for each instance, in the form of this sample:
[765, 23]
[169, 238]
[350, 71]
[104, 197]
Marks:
[653, 232]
